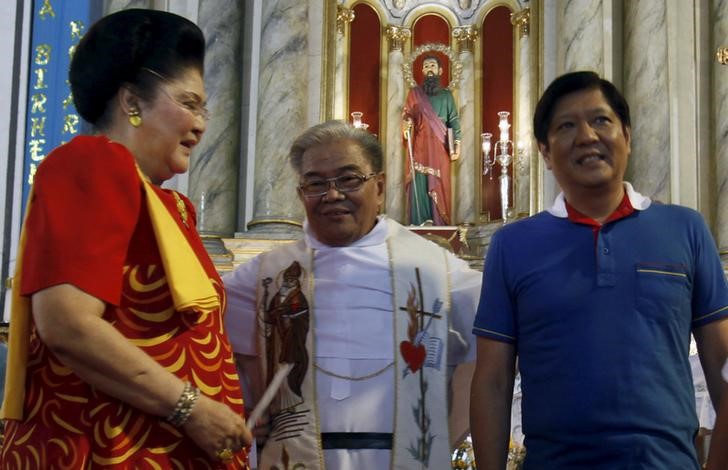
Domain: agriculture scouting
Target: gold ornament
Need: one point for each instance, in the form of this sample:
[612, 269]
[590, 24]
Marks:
[181, 208]
[226, 455]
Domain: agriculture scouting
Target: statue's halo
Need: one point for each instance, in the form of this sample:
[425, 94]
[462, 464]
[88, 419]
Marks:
[455, 65]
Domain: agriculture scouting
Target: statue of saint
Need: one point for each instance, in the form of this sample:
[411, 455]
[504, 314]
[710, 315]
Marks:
[431, 127]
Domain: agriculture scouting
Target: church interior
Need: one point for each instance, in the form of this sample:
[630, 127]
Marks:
[273, 68]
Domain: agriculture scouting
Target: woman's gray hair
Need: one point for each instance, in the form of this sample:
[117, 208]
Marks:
[335, 131]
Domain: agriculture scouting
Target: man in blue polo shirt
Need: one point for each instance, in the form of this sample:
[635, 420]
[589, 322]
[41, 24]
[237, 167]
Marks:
[597, 297]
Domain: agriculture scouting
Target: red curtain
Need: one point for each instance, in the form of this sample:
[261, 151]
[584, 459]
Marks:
[364, 65]
[497, 95]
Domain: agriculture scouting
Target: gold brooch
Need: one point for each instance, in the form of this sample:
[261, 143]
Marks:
[181, 208]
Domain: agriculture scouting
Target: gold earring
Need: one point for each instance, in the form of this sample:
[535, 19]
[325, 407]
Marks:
[134, 118]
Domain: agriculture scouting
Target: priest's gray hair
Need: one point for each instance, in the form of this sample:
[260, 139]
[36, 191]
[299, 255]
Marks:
[335, 131]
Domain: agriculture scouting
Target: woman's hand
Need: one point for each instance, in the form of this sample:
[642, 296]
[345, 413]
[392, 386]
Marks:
[214, 427]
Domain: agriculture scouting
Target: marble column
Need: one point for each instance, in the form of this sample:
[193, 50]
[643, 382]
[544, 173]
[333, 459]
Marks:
[647, 92]
[523, 139]
[581, 41]
[214, 169]
[111, 6]
[282, 115]
[395, 152]
[719, 15]
[344, 17]
[466, 168]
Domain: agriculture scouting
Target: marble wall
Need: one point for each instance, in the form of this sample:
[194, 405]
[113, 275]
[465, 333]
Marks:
[581, 35]
[214, 170]
[396, 158]
[646, 90]
[283, 103]
[111, 6]
[465, 169]
[719, 13]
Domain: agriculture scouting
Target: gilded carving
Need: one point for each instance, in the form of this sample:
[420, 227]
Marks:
[522, 20]
[35, 148]
[46, 10]
[77, 28]
[70, 124]
[37, 126]
[721, 55]
[40, 83]
[465, 37]
[38, 101]
[344, 16]
[42, 54]
[397, 35]
[31, 173]
[68, 100]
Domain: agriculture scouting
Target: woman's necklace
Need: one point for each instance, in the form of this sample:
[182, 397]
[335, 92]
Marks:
[181, 208]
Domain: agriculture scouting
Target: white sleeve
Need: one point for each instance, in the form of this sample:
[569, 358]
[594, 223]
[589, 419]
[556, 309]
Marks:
[240, 289]
[725, 371]
[465, 284]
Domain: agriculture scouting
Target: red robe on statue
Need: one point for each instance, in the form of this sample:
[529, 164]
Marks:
[431, 158]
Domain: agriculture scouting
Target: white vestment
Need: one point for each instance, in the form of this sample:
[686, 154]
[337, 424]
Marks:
[353, 303]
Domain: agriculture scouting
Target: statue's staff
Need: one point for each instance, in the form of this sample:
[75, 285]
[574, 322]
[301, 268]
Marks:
[408, 138]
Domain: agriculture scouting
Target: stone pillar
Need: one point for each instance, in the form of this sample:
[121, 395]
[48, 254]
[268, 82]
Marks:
[395, 152]
[282, 115]
[344, 17]
[213, 174]
[647, 92]
[719, 15]
[524, 144]
[582, 37]
[214, 169]
[464, 170]
[112, 6]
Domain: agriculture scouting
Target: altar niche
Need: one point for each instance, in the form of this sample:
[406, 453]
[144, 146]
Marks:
[380, 49]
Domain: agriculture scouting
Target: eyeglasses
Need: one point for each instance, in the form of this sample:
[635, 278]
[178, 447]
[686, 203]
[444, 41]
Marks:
[344, 184]
[188, 102]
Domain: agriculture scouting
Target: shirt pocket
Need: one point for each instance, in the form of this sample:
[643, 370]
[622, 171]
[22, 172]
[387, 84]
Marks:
[662, 291]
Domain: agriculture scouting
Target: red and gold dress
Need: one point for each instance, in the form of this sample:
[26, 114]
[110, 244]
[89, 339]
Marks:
[89, 226]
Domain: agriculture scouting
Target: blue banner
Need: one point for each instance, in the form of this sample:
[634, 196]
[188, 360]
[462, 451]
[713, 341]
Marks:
[51, 118]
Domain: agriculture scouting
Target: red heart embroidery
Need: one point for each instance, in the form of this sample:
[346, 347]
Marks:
[414, 355]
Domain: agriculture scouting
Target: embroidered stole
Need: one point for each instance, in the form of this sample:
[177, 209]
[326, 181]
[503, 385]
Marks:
[421, 318]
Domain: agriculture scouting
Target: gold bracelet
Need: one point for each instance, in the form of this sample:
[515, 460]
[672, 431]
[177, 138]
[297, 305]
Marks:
[183, 408]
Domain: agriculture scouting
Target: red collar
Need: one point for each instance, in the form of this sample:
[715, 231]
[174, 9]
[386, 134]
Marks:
[623, 210]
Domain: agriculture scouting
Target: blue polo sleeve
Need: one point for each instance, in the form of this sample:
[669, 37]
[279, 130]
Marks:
[495, 318]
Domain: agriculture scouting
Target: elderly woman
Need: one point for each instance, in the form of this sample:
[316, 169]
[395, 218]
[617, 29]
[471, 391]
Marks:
[118, 357]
